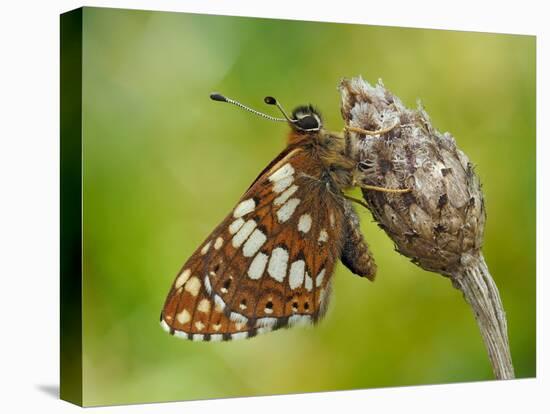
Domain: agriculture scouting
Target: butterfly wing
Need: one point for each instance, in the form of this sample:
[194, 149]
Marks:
[269, 263]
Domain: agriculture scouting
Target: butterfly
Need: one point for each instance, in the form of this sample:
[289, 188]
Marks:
[269, 263]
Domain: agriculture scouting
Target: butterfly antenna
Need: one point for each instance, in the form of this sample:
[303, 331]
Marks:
[270, 100]
[220, 98]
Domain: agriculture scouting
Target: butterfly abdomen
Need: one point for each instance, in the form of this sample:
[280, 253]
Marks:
[356, 255]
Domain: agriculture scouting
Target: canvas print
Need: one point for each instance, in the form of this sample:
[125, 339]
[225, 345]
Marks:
[259, 206]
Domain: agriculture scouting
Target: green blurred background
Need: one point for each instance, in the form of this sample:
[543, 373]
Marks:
[163, 164]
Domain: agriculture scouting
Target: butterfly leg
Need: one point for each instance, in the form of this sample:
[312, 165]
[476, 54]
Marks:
[385, 190]
[357, 181]
[368, 132]
[356, 255]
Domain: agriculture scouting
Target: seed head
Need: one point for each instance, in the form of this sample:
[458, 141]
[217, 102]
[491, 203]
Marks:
[441, 220]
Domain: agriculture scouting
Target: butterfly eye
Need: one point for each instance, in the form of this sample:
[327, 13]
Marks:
[306, 118]
[308, 123]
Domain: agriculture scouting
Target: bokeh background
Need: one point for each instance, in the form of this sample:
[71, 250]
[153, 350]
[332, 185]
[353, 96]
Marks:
[163, 164]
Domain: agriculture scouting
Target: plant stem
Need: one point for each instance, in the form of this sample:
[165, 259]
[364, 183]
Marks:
[481, 292]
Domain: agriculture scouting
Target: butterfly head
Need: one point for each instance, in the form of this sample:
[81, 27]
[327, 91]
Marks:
[306, 118]
[303, 119]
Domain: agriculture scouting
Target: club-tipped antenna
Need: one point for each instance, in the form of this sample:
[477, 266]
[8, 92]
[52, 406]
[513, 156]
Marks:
[219, 97]
[270, 100]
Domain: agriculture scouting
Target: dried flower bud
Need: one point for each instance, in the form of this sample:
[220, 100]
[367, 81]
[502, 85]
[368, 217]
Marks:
[443, 216]
[438, 223]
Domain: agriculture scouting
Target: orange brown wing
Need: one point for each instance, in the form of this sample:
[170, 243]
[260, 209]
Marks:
[268, 264]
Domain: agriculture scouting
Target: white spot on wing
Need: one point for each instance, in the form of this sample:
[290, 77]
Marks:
[236, 225]
[220, 304]
[165, 325]
[286, 211]
[299, 320]
[319, 278]
[257, 266]
[323, 236]
[266, 322]
[198, 337]
[204, 306]
[199, 325]
[193, 285]
[218, 244]
[254, 242]
[244, 207]
[243, 233]
[216, 337]
[282, 173]
[239, 335]
[305, 223]
[296, 276]
[285, 196]
[237, 317]
[207, 284]
[183, 317]
[283, 184]
[309, 282]
[205, 248]
[278, 263]
[182, 278]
